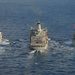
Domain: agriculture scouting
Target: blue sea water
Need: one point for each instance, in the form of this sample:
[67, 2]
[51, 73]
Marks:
[15, 22]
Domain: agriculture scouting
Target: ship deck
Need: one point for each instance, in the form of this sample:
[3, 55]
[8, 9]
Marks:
[34, 44]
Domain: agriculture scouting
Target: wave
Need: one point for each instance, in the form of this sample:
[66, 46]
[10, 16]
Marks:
[5, 42]
[32, 52]
[57, 46]
[2, 50]
[68, 42]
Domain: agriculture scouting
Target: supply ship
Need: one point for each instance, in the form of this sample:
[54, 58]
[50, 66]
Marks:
[38, 37]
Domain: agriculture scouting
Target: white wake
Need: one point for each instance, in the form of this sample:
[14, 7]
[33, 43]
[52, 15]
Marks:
[4, 42]
[2, 50]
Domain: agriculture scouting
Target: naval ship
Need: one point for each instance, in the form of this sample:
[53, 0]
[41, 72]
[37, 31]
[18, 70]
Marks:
[38, 37]
[73, 39]
[3, 41]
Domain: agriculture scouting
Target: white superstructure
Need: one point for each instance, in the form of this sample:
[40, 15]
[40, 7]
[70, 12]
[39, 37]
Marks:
[3, 41]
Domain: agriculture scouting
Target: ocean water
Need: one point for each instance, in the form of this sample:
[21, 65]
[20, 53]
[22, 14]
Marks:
[15, 22]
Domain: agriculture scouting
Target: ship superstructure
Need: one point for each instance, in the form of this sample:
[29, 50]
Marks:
[38, 37]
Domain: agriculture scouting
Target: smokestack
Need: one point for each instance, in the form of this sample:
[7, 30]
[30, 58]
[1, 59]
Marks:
[39, 26]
